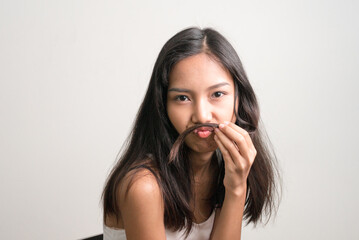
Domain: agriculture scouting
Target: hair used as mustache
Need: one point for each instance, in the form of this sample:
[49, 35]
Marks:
[178, 145]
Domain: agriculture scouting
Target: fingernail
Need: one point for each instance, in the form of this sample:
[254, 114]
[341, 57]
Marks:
[221, 125]
[226, 122]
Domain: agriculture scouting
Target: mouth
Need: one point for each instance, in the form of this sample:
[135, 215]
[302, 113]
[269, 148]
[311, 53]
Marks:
[204, 130]
[201, 130]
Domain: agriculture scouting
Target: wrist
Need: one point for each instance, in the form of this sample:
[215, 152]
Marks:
[239, 191]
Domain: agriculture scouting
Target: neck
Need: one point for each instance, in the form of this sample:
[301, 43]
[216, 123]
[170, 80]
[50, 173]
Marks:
[200, 165]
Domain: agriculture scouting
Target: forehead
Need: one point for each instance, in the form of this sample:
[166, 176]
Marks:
[199, 71]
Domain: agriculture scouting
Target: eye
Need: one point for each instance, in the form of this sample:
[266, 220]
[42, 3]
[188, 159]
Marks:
[181, 98]
[217, 94]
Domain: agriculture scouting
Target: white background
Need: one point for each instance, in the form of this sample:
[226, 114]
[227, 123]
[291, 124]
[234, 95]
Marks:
[73, 73]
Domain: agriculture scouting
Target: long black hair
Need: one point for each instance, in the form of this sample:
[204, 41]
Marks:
[153, 135]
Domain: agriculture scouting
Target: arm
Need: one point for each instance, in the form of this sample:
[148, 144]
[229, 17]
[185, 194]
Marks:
[142, 208]
[238, 154]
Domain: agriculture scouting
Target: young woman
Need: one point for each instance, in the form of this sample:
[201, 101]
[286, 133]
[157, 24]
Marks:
[222, 175]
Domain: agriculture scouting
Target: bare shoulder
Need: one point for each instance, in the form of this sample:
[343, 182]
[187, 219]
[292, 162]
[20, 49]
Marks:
[138, 183]
[141, 205]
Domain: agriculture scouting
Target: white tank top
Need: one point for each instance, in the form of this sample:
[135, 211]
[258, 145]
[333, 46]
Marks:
[200, 231]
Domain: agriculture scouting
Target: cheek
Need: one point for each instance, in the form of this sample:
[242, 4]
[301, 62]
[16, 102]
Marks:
[226, 111]
[176, 117]
[234, 118]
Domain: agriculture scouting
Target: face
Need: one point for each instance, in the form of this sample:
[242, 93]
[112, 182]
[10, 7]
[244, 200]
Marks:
[200, 91]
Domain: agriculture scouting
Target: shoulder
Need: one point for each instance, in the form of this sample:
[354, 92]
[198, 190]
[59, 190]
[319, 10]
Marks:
[138, 183]
[141, 205]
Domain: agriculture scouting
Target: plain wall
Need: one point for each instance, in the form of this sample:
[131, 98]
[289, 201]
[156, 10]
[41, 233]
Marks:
[73, 73]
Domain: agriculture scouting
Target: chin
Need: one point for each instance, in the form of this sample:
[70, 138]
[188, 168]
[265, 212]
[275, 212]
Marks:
[201, 145]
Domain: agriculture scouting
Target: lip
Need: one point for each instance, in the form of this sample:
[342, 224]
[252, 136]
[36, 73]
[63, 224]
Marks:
[203, 132]
[203, 129]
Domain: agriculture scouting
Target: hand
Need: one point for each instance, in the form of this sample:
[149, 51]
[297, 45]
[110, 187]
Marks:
[238, 154]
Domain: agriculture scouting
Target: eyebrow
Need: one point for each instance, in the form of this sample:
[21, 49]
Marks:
[209, 88]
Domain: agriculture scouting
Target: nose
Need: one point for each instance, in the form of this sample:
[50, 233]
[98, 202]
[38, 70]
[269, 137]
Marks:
[202, 112]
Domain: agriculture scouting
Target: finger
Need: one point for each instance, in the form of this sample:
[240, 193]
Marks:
[251, 152]
[229, 146]
[241, 131]
[226, 155]
[238, 138]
